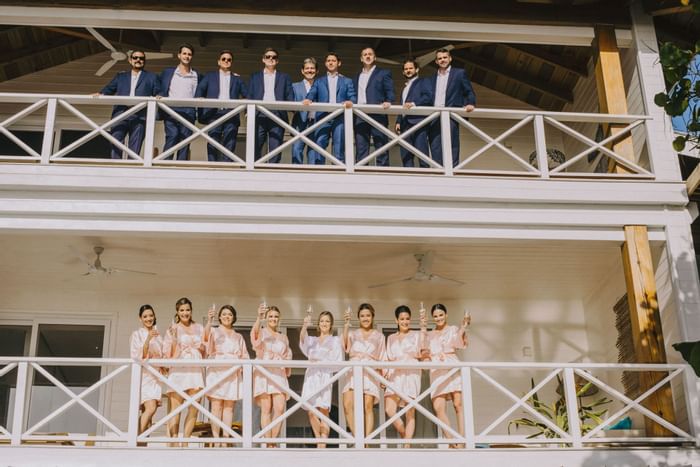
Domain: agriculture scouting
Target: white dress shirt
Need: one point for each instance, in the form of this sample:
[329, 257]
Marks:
[224, 85]
[441, 87]
[134, 81]
[269, 81]
[362, 85]
[407, 88]
[183, 86]
[332, 87]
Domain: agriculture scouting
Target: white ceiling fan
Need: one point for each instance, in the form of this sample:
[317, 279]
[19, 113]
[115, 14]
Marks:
[423, 273]
[116, 55]
[97, 268]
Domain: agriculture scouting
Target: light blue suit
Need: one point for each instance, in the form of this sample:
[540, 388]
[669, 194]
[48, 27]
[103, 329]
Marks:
[300, 121]
[319, 92]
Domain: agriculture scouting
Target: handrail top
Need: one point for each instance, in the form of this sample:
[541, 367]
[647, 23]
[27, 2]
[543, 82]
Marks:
[494, 113]
[345, 363]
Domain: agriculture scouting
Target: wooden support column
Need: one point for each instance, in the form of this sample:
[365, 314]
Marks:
[612, 98]
[646, 324]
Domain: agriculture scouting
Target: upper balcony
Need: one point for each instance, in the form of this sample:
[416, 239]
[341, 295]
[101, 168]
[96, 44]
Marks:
[540, 133]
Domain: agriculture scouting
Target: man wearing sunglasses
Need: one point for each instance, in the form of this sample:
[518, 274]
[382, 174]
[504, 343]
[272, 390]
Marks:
[269, 85]
[136, 82]
[179, 82]
[222, 84]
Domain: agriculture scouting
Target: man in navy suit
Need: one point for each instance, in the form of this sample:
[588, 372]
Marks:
[415, 92]
[224, 85]
[332, 88]
[269, 85]
[301, 120]
[179, 82]
[451, 88]
[374, 86]
[137, 82]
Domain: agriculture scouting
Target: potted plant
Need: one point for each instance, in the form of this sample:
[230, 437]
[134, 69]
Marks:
[590, 415]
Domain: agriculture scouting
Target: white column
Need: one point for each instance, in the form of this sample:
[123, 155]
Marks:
[659, 138]
[686, 294]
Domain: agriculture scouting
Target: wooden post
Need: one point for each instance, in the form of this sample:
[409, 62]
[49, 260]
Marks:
[646, 324]
[612, 98]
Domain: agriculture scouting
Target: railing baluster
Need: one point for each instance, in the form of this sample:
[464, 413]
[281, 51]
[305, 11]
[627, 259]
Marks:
[572, 407]
[250, 137]
[446, 134]
[358, 407]
[541, 146]
[134, 403]
[149, 137]
[467, 406]
[20, 396]
[247, 408]
[49, 124]
[349, 140]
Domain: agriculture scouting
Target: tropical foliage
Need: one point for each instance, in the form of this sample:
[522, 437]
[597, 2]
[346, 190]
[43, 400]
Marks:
[590, 415]
[682, 73]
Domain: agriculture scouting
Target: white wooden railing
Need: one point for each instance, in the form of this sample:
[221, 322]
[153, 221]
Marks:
[481, 434]
[70, 111]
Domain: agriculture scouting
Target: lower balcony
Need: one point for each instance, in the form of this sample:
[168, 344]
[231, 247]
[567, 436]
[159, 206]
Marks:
[543, 413]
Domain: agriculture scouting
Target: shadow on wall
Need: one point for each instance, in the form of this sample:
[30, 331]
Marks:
[625, 459]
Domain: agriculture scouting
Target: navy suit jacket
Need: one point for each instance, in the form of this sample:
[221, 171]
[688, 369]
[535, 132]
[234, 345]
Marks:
[147, 85]
[299, 89]
[459, 92]
[319, 92]
[380, 89]
[419, 93]
[166, 76]
[283, 89]
[208, 87]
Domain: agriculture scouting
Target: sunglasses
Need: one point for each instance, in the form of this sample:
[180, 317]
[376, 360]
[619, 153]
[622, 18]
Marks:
[138, 57]
[270, 57]
[226, 59]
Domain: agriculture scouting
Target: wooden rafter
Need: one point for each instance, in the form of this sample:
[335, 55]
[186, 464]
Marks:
[29, 52]
[507, 71]
[539, 53]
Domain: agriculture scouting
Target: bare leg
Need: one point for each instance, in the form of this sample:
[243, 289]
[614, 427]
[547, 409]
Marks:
[149, 409]
[191, 418]
[439, 405]
[175, 401]
[349, 407]
[410, 425]
[279, 401]
[369, 413]
[319, 427]
[265, 403]
[228, 417]
[390, 406]
[459, 409]
[217, 406]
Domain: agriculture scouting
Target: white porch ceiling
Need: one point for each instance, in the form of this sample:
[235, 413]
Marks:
[258, 268]
[305, 25]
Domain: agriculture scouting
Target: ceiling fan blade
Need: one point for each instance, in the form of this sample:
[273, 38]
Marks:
[428, 57]
[388, 61]
[444, 280]
[112, 270]
[157, 55]
[384, 284]
[104, 68]
[79, 255]
[101, 39]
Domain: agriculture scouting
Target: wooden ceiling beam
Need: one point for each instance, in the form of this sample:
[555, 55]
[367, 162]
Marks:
[538, 53]
[507, 71]
[41, 48]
